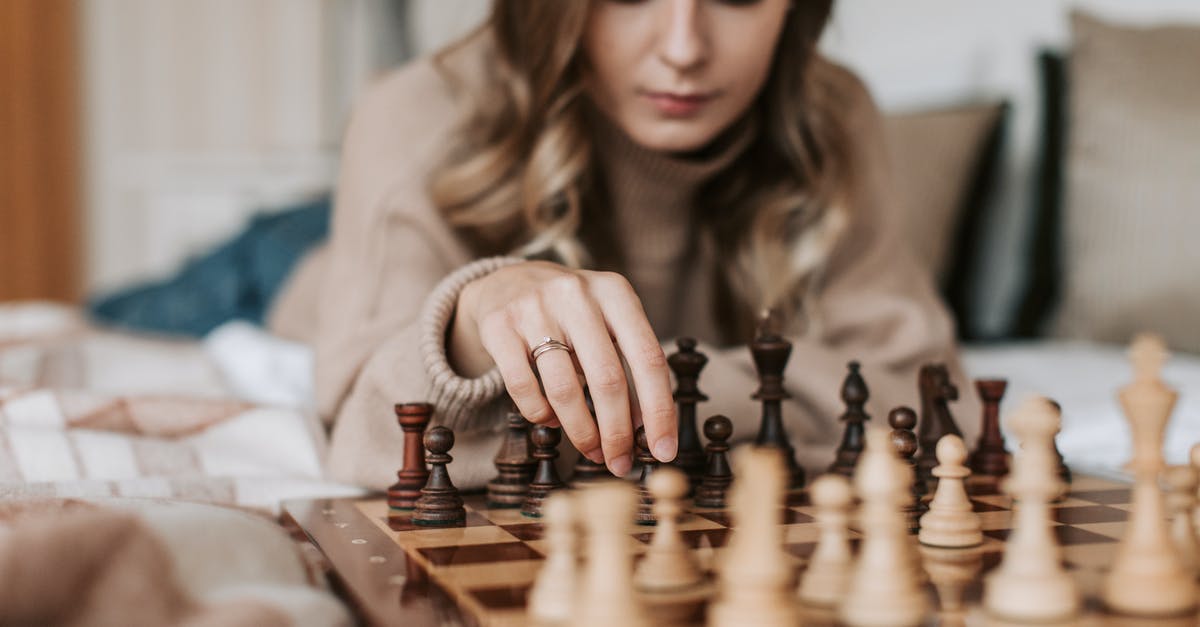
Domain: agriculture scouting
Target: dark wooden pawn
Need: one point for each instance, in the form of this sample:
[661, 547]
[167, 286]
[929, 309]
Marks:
[545, 479]
[1064, 472]
[990, 458]
[645, 513]
[717, 475]
[687, 363]
[515, 464]
[854, 395]
[771, 352]
[902, 420]
[439, 503]
[936, 420]
[412, 476]
[586, 470]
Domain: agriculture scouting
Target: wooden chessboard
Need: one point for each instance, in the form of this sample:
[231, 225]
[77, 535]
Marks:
[480, 572]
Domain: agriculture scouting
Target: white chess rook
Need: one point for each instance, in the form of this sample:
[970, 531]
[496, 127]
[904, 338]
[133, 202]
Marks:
[1147, 576]
[1030, 584]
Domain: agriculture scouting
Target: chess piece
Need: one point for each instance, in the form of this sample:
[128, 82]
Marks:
[990, 457]
[951, 521]
[1030, 584]
[771, 352]
[687, 363]
[1064, 472]
[515, 464]
[642, 454]
[668, 563]
[717, 476]
[608, 597]
[586, 470]
[885, 590]
[756, 577]
[1181, 483]
[439, 503]
[545, 479]
[413, 418]
[554, 591]
[854, 395]
[1147, 578]
[1194, 462]
[936, 420]
[828, 574]
[904, 441]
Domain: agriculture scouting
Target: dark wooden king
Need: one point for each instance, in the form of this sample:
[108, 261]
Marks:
[687, 363]
[771, 352]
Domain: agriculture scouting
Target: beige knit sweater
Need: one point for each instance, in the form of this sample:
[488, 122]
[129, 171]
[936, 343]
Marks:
[394, 268]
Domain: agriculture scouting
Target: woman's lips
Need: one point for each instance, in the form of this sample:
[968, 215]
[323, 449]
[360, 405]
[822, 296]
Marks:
[678, 105]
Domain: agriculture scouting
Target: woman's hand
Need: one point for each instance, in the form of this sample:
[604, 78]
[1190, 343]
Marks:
[501, 317]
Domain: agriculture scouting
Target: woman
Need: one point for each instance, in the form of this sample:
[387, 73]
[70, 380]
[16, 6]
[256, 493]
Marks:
[582, 180]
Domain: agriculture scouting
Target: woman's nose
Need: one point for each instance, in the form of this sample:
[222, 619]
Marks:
[682, 45]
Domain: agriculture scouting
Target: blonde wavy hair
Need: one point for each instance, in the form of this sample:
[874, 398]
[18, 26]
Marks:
[521, 178]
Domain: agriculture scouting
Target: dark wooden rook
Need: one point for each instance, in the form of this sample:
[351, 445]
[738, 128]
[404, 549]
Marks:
[902, 420]
[936, 420]
[545, 479]
[413, 418]
[771, 352]
[645, 513]
[515, 464]
[687, 363]
[717, 475]
[990, 458]
[439, 503]
[854, 395]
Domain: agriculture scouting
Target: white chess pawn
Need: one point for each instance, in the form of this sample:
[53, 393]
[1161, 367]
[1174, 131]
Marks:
[1181, 482]
[1030, 584]
[554, 590]
[951, 521]
[668, 563]
[607, 596]
[824, 582]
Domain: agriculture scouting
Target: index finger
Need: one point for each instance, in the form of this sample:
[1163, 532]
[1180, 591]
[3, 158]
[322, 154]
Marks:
[647, 363]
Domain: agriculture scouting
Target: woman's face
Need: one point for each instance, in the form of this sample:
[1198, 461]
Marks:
[675, 73]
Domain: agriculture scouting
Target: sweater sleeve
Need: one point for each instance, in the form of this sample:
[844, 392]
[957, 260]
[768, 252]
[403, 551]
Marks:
[874, 305]
[391, 282]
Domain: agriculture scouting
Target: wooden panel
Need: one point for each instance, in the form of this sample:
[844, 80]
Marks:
[39, 152]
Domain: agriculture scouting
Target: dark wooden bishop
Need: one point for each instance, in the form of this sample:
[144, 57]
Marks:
[990, 458]
[645, 512]
[936, 420]
[687, 363]
[413, 418]
[514, 463]
[902, 420]
[854, 395]
[717, 475]
[771, 352]
[439, 503]
[545, 479]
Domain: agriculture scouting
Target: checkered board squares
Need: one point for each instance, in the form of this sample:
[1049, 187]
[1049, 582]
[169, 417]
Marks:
[486, 565]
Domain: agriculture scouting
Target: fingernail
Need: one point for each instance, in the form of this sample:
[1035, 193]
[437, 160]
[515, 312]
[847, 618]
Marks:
[621, 465]
[664, 449]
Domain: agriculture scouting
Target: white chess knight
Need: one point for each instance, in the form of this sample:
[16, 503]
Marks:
[951, 521]
[1147, 576]
[1030, 584]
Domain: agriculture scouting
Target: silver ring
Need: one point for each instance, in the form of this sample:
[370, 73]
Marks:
[546, 345]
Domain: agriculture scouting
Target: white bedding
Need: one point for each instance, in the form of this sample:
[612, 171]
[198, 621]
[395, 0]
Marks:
[1084, 378]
